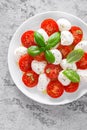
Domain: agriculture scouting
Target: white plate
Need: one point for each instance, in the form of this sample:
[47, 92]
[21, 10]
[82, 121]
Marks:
[33, 24]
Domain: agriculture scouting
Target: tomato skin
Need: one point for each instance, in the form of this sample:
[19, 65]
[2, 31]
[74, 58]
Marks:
[55, 89]
[40, 57]
[82, 63]
[72, 87]
[27, 39]
[77, 34]
[30, 78]
[25, 62]
[65, 50]
[50, 26]
[52, 71]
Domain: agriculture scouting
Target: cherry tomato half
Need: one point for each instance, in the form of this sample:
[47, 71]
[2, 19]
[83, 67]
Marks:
[55, 89]
[40, 57]
[65, 50]
[50, 26]
[72, 87]
[77, 34]
[30, 78]
[52, 71]
[27, 39]
[25, 62]
[82, 63]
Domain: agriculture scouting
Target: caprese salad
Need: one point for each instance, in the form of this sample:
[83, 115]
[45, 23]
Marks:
[51, 57]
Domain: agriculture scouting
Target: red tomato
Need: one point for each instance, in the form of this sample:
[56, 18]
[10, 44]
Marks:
[65, 50]
[77, 33]
[52, 71]
[25, 62]
[27, 39]
[82, 63]
[40, 57]
[50, 26]
[72, 87]
[55, 89]
[30, 78]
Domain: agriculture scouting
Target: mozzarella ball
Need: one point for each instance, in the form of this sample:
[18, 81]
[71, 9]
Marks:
[43, 33]
[66, 38]
[63, 24]
[82, 45]
[65, 65]
[42, 82]
[19, 52]
[58, 56]
[38, 67]
[63, 79]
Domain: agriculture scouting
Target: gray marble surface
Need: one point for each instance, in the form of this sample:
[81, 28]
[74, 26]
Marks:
[17, 112]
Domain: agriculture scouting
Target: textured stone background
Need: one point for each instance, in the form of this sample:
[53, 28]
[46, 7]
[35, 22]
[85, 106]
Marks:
[17, 112]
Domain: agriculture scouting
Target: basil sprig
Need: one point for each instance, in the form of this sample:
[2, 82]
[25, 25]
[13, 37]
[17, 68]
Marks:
[39, 39]
[72, 75]
[49, 56]
[34, 50]
[53, 40]
[75, 55]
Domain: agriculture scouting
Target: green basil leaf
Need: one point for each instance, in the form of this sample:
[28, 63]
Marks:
[72, 75]
[75, 55]
[49, 56]
[42, 49]
[53, 40]
[34, 50]
[39, 39]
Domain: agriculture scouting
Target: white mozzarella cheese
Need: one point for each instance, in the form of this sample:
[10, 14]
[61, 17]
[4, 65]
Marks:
[63, 24]
[65, 65]
[66, 38]
[19, 52]
[42, 82]
[38, 67]
[82, 45]
[43, 33]
[58, 56]
[63, 79]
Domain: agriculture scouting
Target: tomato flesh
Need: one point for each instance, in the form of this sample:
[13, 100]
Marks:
[27, 39]
[55, 89]
[50, 26]
[82, 63]
[77, 34]
[30, 78]
[65, 50]
[40, 57]
[72, 87]
[25, 62]
[52, 71]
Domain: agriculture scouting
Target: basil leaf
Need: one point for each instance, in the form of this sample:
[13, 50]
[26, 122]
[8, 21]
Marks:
[72, 75]
[75, 55]
[49, 56]
[42, 49]
[39, 39]
[34, 50]
[53, 40]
